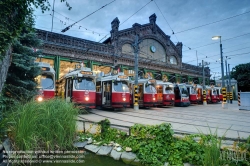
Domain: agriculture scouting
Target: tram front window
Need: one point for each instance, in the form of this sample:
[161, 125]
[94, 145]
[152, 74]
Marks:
[184, 91]
[121, 86]
[169, 89]
[150, 88]
[84, 84]
[45, 81]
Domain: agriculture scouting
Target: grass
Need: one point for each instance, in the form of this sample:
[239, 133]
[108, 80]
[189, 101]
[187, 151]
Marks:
[49, 125]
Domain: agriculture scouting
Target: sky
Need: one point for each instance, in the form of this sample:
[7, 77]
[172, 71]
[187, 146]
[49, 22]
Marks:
[194, 23]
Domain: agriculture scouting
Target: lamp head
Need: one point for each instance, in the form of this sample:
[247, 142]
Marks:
[216, 37]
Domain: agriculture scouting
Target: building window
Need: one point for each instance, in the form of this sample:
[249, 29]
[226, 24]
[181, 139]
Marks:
[173, 60]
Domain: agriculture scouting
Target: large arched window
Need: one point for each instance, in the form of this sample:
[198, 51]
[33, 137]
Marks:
[127, 49]
[173, 60]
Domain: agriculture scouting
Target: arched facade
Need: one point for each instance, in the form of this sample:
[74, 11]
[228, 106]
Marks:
[158, 55]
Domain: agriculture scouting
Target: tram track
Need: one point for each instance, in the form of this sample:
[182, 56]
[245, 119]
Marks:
[190, 124]
[211, 111]
[197, 117]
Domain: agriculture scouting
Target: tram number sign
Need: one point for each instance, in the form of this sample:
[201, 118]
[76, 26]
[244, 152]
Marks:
[45, 69]
[123, 77]
[87, 72]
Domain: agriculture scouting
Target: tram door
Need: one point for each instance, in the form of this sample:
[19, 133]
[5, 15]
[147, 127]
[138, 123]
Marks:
[68, 90]
[107, 89]
[159, 89]
[177, 93]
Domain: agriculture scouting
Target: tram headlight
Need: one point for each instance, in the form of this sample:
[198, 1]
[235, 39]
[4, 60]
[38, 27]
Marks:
[172, 98]
[154, 98]
[124, 99]
[87, 98]
[40, 98]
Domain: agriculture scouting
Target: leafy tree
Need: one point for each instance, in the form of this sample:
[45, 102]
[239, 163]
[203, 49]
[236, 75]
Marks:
[15, 15]
[241, 73]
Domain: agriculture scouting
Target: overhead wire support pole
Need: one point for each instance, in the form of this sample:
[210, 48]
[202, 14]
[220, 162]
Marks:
[204, 84]
[68, 27]
[230, 88]
[53, 15]
[136, 47]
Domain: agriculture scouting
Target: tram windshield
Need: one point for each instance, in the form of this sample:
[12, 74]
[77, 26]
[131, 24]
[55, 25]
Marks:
[149, 88]
[83, 83]
[184, 91]
[121, 86]
[45, 81]
[215, 92]
[193, 90]
[169, 89]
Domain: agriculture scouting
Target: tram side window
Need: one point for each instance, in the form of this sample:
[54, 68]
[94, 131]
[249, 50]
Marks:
[98, 87]
[193, 90]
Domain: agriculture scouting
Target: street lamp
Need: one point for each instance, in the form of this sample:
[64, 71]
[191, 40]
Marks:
[221, 58]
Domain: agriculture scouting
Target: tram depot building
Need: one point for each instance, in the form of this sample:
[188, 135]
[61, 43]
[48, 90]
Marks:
[158, 56]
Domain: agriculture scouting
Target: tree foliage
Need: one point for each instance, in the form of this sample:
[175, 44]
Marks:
[241, 73]
[15, 15]
[20, 83]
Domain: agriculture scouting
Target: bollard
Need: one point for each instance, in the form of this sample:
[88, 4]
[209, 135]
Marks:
[204, 97]
[135, 94]
[238, 98]
[228, 94]
[231, 97]
[224, 93]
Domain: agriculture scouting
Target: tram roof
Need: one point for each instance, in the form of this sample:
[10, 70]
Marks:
[46, 65]
[109, 77]
[79, 72]
[160, 82]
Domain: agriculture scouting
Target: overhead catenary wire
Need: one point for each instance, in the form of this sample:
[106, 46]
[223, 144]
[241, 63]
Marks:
[213, 22]
[68, 27]
[218, 41]
[219, 54]
[166, 20]
[129, 17]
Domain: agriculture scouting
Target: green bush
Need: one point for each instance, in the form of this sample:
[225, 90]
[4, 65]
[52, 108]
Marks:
[49, 125]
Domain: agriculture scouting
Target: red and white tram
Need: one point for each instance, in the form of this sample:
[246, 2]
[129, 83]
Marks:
[209, 94]
[78, 86]
[193, 95]
[181, 95]
[219, 92]
[147, 94]
[199, 91]
[45, 82]
[215, 95]
[165, 93]
[112, 91]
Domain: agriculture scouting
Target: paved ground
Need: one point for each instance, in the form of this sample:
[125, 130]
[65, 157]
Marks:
[193, 119]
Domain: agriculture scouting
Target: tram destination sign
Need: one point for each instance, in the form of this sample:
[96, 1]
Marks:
[86, 72]
[123, 77]
[45, 69]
